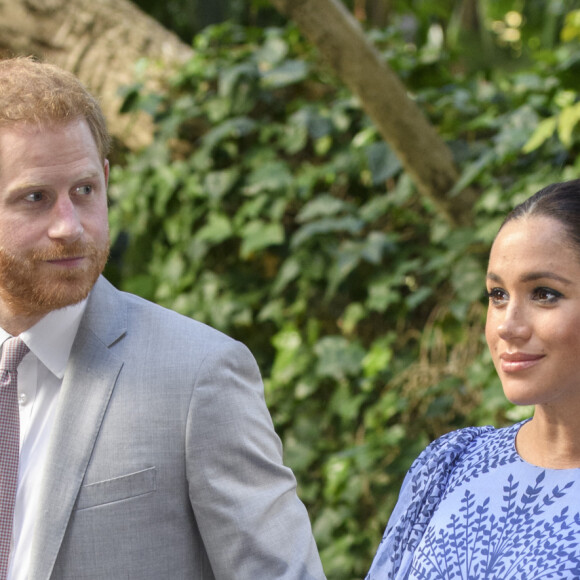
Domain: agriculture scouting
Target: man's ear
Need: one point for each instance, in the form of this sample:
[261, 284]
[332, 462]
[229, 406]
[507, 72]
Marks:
[106, 170]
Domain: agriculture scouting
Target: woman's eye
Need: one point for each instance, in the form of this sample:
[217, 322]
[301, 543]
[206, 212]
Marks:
[497, 295]
[84, 189]
[546, 295]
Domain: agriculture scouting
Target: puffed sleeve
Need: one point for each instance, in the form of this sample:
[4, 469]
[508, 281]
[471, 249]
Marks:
[420, 493]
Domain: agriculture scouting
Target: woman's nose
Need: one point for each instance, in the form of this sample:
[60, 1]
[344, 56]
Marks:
[514, 323]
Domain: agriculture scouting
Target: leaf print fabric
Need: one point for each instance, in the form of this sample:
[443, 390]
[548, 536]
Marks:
[497, 517]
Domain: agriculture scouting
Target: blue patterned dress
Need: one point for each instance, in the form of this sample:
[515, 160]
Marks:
[470, 508]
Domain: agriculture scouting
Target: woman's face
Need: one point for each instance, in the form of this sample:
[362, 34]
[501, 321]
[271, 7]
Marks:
[533, 320]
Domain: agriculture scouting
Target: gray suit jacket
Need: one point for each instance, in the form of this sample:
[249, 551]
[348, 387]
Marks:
[163, 463]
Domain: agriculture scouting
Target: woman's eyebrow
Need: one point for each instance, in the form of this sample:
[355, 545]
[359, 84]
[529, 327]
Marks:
[532, 277]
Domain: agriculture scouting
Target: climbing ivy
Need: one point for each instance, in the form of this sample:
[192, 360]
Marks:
[269, 207]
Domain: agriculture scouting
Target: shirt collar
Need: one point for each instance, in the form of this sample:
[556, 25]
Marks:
[52, 337]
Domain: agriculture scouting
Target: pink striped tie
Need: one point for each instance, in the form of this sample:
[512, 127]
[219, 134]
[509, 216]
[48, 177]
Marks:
[13, 351]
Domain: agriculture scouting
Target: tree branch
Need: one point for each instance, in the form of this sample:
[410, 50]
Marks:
[344, 45]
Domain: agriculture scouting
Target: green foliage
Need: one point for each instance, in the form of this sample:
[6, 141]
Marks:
[269, 207]
[187, 17]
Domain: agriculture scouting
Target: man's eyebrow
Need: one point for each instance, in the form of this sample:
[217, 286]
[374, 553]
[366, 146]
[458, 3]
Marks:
[532, 277]
[89, 174]
[32, 183]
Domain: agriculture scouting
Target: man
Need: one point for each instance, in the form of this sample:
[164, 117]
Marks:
[146, 449]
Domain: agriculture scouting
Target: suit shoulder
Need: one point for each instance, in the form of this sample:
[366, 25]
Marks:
[112, 314]
[148, 316]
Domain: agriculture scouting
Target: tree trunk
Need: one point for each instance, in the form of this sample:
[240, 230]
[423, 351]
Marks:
[101, 41]
[375, 12]
[424, 155]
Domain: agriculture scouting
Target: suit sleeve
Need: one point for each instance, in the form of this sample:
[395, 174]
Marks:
[244, 499]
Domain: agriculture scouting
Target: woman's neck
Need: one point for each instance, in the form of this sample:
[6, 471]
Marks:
[549, 443]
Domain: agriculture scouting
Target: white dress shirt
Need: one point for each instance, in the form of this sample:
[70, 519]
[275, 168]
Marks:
[40, 377]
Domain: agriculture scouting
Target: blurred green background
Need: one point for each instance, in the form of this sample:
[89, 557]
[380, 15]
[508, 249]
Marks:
[269, 207]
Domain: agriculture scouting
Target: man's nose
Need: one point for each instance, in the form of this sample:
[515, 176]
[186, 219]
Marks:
[65, 223]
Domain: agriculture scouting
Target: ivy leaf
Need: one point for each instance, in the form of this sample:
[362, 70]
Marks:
[257, 235]
[270, 176]
[232, 128]
[289, 271]
[217, 229]
[323, 205]
[347, 224]
[338, 357]
[288, 73]
[543, 132]
[382, 161]
[567, 122]
[218, 183]
[274, 50]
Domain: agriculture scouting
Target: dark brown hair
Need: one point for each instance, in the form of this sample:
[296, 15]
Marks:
[559, 201]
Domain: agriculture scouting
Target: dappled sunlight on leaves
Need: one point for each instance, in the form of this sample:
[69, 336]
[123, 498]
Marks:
[269, 207]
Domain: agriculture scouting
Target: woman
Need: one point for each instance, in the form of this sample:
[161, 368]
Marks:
[505, 503]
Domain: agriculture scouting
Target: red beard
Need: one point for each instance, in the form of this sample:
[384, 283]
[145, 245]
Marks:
[32, 288]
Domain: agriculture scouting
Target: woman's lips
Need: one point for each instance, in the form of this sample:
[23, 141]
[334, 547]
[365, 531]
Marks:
[518, 361]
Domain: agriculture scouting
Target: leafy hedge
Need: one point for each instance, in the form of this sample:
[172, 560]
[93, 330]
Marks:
[269, 207]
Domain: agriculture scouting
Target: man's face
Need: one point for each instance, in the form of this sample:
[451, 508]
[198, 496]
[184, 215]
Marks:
[54, 235]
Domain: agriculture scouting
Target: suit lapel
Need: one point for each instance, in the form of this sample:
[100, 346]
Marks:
[87, 386]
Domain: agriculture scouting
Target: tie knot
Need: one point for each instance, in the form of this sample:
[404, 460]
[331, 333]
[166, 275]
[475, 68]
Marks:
[13, 351]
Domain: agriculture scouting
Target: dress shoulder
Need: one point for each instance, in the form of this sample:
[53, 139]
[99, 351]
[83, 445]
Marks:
[420, 493]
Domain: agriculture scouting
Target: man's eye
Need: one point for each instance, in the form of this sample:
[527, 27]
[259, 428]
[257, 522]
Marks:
[34, 196]
[84, 190]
